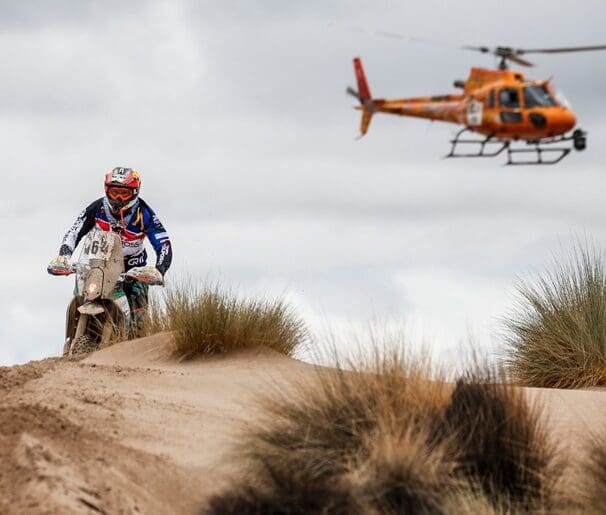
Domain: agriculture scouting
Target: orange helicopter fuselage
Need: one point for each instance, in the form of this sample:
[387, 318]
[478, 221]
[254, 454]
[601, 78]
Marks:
[496, 103]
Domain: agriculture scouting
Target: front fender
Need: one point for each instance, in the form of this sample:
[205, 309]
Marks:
[91, 308]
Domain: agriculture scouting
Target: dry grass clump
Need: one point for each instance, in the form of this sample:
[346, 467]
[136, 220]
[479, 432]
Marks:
[386, 439]
[473, 502]
[327, 446]
[283, 489]
[594, 478]
[404, 471]
[209, 320]
[557, 333]
[503, 445]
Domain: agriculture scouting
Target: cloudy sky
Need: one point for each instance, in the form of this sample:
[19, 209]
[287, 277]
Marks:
[235, 114]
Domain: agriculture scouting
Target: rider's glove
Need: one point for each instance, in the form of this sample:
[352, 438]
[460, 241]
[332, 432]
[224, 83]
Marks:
[146, 274]
[59, 266]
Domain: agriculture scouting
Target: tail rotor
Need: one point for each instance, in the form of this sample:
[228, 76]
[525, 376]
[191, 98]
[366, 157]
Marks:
[352, 92]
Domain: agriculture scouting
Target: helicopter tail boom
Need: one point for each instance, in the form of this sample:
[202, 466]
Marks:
[440, 107]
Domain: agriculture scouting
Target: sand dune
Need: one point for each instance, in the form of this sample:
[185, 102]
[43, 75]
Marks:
[130, 430]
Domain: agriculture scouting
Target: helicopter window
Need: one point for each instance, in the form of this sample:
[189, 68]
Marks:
[511, 117]
[491, 98]
[562, 100]
[509, 97]
[537, 96]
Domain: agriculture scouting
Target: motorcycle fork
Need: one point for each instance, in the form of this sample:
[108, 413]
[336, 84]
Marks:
[81, 327]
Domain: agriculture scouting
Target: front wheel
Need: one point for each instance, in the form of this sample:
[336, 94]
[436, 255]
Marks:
[83, 341]
[82, 345]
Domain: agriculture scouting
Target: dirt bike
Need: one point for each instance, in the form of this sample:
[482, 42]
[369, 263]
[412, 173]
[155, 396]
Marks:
[99, 313]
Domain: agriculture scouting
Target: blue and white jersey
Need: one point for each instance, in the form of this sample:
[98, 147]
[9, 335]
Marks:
[139, 222]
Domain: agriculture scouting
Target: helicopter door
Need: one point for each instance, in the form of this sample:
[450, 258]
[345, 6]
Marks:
[491, 101]
[474, 112]
[509, 102]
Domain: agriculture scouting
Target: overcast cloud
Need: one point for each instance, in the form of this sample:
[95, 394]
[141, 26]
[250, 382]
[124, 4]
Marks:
[235, 114]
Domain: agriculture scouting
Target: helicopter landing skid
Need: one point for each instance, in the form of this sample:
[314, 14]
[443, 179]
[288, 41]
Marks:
[539, 148]
[538, 151]
[483, 151]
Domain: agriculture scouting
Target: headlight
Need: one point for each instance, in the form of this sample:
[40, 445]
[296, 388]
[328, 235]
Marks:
[92, 290]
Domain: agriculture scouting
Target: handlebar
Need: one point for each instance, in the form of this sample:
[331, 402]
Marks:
[65, 270]
[80, 268]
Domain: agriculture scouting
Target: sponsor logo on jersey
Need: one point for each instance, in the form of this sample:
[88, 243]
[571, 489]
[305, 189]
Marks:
[138, 260]
[162, 254]
[131, 244]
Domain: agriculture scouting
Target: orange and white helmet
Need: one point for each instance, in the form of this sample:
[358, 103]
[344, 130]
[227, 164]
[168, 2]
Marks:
[122, 187]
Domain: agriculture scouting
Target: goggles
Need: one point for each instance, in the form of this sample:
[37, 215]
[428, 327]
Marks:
[120, 193]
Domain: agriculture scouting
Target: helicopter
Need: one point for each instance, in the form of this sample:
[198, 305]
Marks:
[500, 108]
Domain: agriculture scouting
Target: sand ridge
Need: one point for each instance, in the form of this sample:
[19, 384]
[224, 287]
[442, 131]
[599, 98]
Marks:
[127, 430]
[132, 430]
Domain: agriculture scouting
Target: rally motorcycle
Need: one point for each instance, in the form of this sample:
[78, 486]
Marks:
[99, 313]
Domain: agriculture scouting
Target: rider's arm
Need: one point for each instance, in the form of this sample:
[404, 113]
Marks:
[158, 237]
[83, 224]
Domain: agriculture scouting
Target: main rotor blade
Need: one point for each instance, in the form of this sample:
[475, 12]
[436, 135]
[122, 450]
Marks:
[506, 52]
[519, 60]
[483, 49]
[392, 35]
[395, 35]
[502, 52]
[520, 51]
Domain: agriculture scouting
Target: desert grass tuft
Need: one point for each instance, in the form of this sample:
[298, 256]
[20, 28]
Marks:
[209, 320]
[557, 332]
[503, 444]
[390, 436]
[594, 474]
[473, 501]
[335, 415]
[154, 320]
[358, 437]
[283, 489]
[404, 471]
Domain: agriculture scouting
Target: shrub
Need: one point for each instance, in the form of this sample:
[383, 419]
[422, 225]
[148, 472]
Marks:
[404, 471]
[212, 321]
[595, 474]
[556, 335]
[284, 490]
[382, 438]
[503, 445]
[355, 439]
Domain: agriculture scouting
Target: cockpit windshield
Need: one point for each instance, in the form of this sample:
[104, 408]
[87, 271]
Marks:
[538, 96]
[562, 100]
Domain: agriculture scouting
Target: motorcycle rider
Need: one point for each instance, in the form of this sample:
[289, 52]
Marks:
[121, 211]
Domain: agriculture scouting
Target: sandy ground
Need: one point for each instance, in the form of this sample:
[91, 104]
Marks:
[126, 430]
[129, 430]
